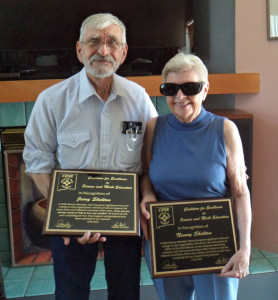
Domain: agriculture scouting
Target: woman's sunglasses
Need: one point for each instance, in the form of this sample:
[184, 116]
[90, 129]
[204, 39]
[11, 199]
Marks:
[188, 88]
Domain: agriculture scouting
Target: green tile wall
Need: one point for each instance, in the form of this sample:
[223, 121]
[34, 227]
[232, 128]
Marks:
[4, 245]
[1, 165]
[28, 108]
[153, 101]
[12, 114]
[2, 191]
[3, 216]
[161, 106]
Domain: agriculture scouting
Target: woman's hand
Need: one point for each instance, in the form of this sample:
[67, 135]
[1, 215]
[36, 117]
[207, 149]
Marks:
[145, 215]
[86, 238]
[238, 265]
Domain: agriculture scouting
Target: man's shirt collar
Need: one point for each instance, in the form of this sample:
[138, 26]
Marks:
[87, 90]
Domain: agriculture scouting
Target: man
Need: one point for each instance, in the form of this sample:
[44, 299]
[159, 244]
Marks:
[78, 124]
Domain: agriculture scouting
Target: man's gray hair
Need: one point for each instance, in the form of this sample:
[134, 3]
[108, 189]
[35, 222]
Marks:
[183, 63]
[101, 21]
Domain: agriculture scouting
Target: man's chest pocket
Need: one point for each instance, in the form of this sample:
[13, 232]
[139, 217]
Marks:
[73, 148]
[130, 151]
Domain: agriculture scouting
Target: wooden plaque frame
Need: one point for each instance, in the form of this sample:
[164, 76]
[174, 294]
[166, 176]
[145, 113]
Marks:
[191, 237]
[103, 202]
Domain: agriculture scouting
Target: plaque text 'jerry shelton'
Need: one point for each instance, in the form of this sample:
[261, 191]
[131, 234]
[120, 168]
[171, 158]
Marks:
[105, 202]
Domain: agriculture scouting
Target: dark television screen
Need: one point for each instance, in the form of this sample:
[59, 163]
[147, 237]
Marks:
[55, 24]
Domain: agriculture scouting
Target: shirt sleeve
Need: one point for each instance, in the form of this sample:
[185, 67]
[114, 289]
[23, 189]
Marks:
[40, 138]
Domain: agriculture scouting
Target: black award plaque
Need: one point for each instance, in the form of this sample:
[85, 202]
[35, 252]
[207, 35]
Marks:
[104, 202]
[191, 237]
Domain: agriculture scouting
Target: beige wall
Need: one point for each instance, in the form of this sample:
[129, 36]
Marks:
[254, 53]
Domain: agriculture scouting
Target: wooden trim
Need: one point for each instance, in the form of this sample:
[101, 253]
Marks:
[232, 113]
[23, 90]
[150, 83]
[234, 83]
[238, 83]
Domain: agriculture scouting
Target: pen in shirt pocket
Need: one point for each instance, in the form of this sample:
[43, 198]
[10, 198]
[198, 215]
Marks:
[132, 128]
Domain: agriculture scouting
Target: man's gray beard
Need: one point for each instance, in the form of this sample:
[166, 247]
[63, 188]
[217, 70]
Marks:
[101, 71]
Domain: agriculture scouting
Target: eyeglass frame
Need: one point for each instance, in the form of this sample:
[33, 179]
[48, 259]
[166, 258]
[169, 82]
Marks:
[181, 87]
[100, 43]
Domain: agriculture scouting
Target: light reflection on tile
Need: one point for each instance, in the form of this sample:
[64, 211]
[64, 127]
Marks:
[143, 264]
[256, 253]
[15, 289]
[43, 272]
[40, 287]
[98, 282]
[4, 271]
[274, 262]
[268, 254]
[260, 265]
[100, 269]
[146, 278]
[19, 274]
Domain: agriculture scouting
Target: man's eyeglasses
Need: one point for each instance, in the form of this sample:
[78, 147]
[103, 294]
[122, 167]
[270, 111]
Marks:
[96, 43]
[188, 88]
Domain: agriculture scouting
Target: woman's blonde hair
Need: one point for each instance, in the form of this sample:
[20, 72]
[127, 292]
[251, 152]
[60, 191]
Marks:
[185, 62]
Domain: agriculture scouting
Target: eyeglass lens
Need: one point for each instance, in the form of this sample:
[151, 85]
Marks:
[188, 88]
[96, 43]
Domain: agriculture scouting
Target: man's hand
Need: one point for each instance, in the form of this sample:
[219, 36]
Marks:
[86, 238]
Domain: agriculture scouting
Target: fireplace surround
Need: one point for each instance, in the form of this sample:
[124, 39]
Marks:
[26, 205]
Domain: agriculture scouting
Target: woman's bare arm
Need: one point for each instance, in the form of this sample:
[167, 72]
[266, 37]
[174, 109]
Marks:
[238, 266]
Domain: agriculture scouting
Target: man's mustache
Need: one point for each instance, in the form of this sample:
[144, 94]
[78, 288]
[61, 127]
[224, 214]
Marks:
[97, 57]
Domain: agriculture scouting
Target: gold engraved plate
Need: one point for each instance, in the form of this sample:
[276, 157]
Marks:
[191, 237]
[82, 200]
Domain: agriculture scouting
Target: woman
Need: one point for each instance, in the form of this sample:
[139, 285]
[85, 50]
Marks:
[189, 154]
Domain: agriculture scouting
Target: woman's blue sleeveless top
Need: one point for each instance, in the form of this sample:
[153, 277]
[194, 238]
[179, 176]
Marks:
[189, 159]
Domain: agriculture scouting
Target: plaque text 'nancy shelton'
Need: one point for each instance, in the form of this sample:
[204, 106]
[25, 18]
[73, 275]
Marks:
[191, 237]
